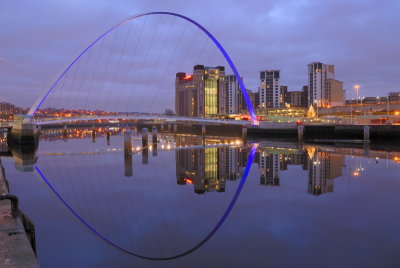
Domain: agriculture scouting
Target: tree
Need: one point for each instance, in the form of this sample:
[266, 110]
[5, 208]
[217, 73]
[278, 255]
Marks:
[169, 112]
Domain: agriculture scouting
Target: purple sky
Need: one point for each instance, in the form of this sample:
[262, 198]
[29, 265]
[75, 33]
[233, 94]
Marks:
[361, 38]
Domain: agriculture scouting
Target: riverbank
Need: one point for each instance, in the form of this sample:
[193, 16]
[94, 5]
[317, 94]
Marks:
[15, 246]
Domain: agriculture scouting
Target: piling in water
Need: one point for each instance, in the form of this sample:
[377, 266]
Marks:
[154, 135]
[244, 133]
[93, 136]
[145, 155]
[145, 138]
[127, 142]
[366, 133]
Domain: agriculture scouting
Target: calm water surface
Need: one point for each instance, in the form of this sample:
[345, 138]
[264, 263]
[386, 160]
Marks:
[316, 206]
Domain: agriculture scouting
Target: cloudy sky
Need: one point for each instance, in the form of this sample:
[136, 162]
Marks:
[361, 38]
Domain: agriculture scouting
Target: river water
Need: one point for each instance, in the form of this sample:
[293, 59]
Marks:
[193, 202]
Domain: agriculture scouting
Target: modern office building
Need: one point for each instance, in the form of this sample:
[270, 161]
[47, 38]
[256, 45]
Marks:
[7, 108]
[336, 93]
[304, 97]
[293, 98]
[231, 99]
[198, 94]
[318, 74]
[270, 89]
[394, 96]
[255, 99]
[296, 98]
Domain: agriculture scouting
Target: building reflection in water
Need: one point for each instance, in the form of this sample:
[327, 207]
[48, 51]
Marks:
[208, 168]
[323, 167]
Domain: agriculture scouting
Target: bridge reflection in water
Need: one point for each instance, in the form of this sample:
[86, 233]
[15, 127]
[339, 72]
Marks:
[170, 204]
[138, 213]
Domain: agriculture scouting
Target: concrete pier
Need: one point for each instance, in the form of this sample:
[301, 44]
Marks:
[23, 131]
[108, 138]
[366, 133]
[16, 249]
[145, 155]
[300, 133]
[127, 142]
[154, 135]
[128, 165]
[154, 140]
[145, 138]
[244, 133]
[93, 136]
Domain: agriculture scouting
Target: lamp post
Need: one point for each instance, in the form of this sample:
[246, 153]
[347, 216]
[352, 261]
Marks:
[387, 109]
[357, 87]
[351, 111]
[361, 98]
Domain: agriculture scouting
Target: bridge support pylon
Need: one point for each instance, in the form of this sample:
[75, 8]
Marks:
[154, 135]
[244, 133]
[366, 133]
[127, 142]
[127, 153]
[108, 137]
[145, 138]
[23, 131]
[154, 140]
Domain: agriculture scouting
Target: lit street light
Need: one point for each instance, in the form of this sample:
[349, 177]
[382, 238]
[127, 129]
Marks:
[387, 109]
[357, 87]
[361, 104]
[351, 111]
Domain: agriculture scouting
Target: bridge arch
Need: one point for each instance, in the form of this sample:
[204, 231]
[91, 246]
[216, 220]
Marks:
[46, 93]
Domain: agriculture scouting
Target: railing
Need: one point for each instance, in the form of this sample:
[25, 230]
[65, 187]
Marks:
[52, 120]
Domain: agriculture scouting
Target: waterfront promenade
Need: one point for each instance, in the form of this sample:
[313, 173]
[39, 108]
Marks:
[15, 247]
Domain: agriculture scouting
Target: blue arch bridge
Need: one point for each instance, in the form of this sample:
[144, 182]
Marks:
[28, 125]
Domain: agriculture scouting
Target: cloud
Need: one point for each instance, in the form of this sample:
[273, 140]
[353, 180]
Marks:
[359, 37]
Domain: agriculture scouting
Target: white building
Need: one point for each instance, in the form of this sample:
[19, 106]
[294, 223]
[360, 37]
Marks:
[318, 75]
[270, 89]
[229, 99]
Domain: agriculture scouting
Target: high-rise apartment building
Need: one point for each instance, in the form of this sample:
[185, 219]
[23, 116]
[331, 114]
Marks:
[230, 96]
[318, 74]
[198, 94]
[270, 89]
